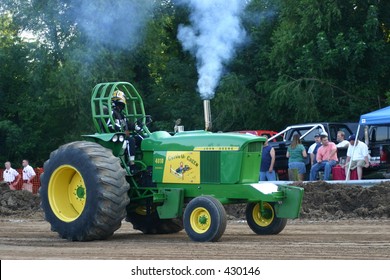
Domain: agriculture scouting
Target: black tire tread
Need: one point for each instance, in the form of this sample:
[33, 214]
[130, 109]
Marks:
[112, 192]
[213, 204]
[152, 224]
[276, 226]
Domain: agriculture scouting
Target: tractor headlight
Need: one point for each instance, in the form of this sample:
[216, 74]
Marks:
[121, 138]
[115, 138]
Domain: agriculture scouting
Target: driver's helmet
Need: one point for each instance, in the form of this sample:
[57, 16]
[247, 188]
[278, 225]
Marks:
[118, 97]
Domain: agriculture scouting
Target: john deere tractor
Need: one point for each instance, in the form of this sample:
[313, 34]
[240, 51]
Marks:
[180, 181]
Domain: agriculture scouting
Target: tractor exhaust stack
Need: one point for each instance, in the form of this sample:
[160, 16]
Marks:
[207, 115]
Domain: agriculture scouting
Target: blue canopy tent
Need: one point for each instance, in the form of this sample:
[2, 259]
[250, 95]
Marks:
[381, 116]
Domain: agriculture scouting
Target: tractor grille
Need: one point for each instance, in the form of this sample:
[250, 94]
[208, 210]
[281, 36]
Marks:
[210, 168]
[254, 147]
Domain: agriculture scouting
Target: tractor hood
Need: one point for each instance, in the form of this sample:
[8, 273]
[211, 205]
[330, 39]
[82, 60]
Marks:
[194, 157]
[199, 140]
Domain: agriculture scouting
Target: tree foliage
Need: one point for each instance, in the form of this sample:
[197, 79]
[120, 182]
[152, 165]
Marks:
[303, 61]
[329, 55]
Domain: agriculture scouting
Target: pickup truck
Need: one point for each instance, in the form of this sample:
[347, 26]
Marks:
[377, 138]
[306, 133]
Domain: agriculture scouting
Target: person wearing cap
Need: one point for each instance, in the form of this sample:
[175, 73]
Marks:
[342, 143]
[326, 159]
[11, 176]
[312, 151]
[358, 154]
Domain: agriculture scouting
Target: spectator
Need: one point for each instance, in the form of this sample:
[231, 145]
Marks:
[267, 172]
[358, 154]
[28, 175]
[11, 176]
[312, 151]
[342, 143]
[326, 159]
[296, 155]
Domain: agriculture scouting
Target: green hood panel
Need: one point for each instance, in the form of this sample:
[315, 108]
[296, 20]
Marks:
[198, 140]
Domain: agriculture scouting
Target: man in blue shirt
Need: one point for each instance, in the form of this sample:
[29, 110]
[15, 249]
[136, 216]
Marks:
[267, 172]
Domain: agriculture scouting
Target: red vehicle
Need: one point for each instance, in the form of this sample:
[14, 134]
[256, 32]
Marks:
[269, 133]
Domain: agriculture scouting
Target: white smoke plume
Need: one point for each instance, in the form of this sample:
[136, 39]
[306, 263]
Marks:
[212, 38]
[116, 23]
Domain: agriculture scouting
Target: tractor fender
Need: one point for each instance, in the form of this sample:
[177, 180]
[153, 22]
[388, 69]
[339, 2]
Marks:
[113, 141]
[288, 199]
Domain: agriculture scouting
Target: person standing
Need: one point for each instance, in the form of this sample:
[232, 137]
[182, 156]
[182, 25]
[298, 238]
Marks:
[11, 176]
[358, 153]
[267, 172]
[28, 175]
[296, 154]
[326, 159]
[312, 151]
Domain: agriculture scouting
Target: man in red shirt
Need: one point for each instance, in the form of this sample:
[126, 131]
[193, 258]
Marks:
[326, 159]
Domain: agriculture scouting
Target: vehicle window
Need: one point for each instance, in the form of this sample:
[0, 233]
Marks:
[298, 131]
[346, 131]
[333, 133]
[380, 133]
[310, 136]
[301, 131]
[279, 138]
[290, 134]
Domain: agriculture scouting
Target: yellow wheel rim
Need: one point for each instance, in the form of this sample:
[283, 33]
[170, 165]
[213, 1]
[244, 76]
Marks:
[267, 217]
[200, 220]
[67, 193]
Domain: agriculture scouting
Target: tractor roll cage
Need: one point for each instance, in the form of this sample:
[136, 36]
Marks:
[101, 105]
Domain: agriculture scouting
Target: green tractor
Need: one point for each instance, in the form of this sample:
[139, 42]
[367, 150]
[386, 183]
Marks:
[180, 181]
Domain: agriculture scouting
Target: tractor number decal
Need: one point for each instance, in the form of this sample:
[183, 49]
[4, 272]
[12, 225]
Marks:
[182, 167]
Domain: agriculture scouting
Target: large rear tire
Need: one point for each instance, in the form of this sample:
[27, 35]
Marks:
[84, 191]
[151, 223]
[266, 223]
[205, 219]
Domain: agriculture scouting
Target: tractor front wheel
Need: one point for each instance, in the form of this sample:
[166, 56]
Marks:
[264, 222]
[84, 191]
[205, 219]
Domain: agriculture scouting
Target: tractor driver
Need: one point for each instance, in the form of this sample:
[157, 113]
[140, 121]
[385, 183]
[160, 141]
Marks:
[122, 125]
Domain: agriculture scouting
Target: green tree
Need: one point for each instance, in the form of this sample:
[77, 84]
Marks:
[13, 83]
[329, 56]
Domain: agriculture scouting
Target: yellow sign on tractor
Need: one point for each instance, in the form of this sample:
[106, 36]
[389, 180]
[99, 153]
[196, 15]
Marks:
[182, 167]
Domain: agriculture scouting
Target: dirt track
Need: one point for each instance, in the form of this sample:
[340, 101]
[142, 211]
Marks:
[337, 222]
[301, 239]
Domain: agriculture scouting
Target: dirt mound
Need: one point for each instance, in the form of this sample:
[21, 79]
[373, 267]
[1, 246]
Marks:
[18, 203]
[323, 201]
[334, 201]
